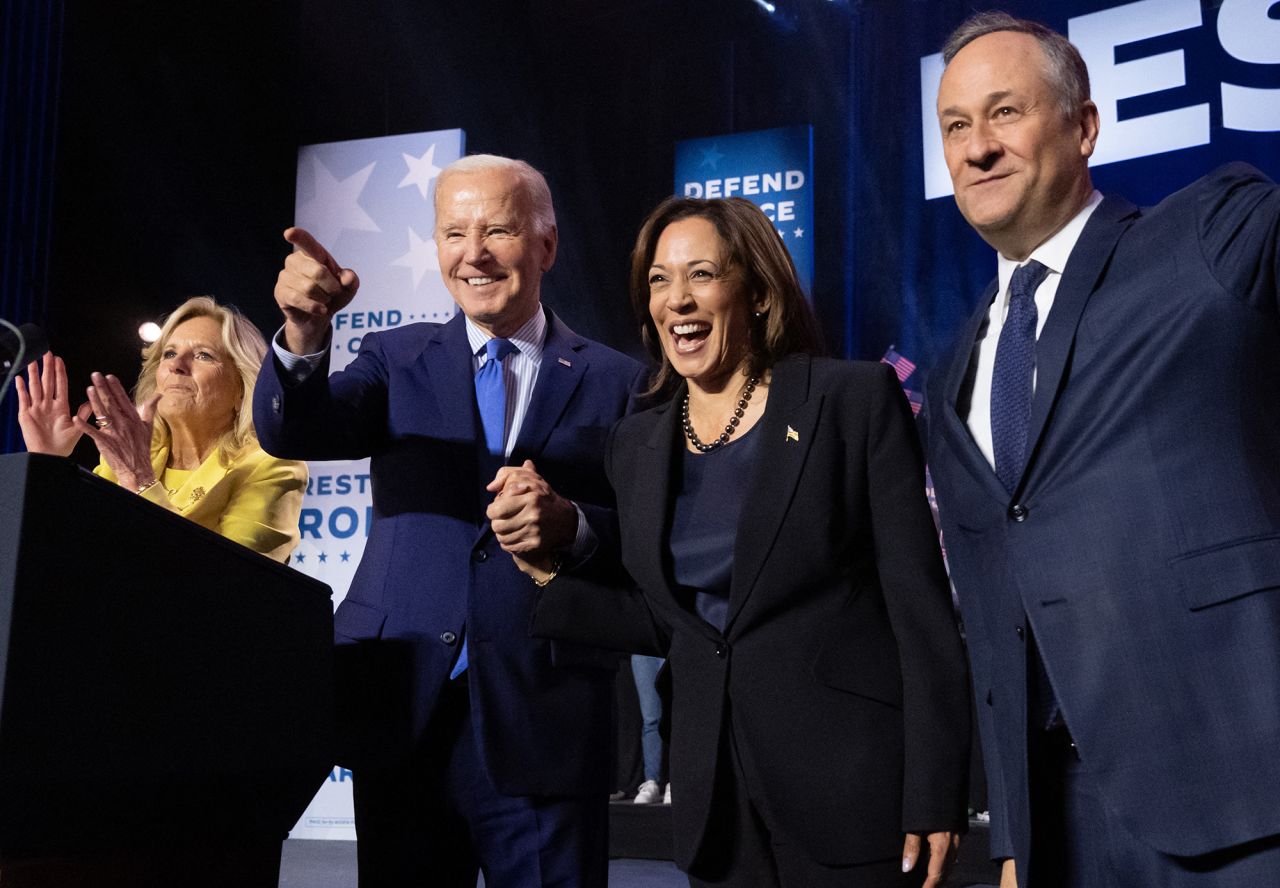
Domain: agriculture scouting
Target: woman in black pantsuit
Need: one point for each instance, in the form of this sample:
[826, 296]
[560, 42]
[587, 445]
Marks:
[774, 522]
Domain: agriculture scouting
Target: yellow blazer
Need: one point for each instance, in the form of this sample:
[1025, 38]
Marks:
[255, 501]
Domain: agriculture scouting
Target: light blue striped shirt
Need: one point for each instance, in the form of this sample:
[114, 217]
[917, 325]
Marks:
[519, 370]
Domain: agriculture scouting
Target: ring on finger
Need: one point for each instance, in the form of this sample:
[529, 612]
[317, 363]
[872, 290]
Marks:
[101, 422]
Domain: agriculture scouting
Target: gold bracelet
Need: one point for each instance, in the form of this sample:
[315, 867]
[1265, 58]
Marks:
[145, 487]
[555, 569]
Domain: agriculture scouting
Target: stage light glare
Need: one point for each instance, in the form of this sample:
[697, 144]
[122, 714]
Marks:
[149, 332]
[766, 6]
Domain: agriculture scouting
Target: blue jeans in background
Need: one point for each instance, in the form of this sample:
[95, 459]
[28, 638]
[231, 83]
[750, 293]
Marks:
[645, 670]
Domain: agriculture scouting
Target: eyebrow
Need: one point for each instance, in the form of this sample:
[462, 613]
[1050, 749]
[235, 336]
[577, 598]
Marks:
[662, 267]
[991, 99]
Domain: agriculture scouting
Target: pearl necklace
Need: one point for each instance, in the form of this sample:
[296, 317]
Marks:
[728, 429]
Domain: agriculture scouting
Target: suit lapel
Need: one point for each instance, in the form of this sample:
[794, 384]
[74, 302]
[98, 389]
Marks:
[448, 378]
[963, 353]
[786, 432]
[444, 373]
[1085, 266]
[655, 465]
[956, 429]
[198, 484]
[563, 366]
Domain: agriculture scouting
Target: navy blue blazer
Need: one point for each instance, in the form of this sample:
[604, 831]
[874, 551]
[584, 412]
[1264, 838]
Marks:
[432, 566]
[1142, 543]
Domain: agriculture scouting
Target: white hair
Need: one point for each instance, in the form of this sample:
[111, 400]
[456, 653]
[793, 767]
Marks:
[533, 183]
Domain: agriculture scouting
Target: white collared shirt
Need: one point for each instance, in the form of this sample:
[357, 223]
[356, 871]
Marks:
[1053, 254]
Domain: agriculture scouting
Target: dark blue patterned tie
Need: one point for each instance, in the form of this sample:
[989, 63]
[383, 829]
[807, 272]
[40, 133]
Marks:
[1012, 377]
[491, 398]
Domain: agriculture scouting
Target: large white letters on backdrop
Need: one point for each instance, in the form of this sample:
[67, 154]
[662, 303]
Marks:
[1245, 31]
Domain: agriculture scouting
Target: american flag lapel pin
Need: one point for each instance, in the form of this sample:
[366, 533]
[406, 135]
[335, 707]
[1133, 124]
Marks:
[566, 362]
[793, 435]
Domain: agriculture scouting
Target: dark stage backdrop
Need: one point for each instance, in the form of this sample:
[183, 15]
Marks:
[178, 126]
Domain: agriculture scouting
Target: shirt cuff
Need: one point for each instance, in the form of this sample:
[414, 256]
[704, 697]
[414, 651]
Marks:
[584, 541]
[297, 367]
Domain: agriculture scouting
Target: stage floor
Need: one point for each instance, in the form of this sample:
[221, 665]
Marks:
[318, 864]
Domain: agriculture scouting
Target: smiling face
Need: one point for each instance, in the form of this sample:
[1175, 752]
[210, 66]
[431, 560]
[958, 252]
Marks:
[197, 380]
[492, 257]
[698, 305]
[1018, 164]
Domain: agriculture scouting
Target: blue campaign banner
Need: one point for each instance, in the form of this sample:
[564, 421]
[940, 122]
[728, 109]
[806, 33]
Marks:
[772, 168]
[1182, 86]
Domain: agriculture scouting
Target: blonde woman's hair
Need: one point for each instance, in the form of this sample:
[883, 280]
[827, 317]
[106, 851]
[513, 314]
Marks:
[241, 342]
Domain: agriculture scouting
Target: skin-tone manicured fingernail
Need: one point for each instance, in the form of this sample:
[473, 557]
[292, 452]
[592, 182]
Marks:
[906, 864]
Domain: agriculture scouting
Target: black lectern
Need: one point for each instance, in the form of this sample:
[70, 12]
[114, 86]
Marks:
[166, 709]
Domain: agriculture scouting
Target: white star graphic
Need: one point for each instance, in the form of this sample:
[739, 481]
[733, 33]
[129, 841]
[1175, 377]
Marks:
[334, 207]
[421, 256]
[421, 171]
[782, 234]
[799, 232]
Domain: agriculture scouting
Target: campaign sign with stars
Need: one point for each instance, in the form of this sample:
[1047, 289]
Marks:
[772, 168]
[370, 202]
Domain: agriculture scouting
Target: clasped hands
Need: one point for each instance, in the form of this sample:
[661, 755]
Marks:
[529, 519]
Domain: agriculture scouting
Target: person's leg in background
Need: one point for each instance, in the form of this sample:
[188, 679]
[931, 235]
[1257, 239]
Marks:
[645, 671]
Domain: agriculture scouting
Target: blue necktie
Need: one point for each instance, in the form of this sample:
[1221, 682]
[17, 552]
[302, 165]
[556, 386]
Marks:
[491, 398]
[1012, 377]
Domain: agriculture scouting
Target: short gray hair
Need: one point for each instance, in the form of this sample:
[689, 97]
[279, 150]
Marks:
[533, 182]
[1065, 69]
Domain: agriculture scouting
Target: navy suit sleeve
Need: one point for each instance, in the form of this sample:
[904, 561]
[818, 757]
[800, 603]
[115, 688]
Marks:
[1239, 217]
[342, 416]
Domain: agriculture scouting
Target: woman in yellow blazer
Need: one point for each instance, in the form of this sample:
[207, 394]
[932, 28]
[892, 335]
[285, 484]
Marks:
[188, 443]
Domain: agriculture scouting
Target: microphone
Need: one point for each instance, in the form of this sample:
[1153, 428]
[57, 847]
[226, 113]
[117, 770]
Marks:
[18, 346]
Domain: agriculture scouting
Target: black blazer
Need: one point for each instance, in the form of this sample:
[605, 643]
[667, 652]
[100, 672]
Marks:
[840, 660]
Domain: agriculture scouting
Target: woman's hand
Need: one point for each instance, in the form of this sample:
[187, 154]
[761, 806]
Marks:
[943, 847]
[44, 414]
[1008, 875]
[121, 431]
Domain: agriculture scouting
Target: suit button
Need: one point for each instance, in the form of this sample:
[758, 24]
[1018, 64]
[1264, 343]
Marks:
[721, 651]
[448, 637]
[479, 556]
[275, 403]
[1018, 512]
[1022, 633]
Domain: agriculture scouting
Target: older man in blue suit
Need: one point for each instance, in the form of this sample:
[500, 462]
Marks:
[472, 745]
[1106, 449]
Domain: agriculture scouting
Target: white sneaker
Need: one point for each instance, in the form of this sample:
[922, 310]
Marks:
[648, 793]
[666, 796]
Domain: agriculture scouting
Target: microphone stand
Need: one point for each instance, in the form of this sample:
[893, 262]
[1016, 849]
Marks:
[11, 366]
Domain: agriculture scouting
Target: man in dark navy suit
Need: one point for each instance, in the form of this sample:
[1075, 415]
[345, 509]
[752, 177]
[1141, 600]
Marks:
[1105, 443]
[472, 745]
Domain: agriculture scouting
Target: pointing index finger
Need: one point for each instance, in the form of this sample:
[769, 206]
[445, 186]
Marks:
[305, 243]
